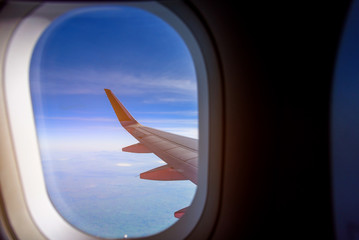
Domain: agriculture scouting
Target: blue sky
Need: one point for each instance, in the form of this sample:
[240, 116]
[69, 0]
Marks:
[148, 67]
[133, 53]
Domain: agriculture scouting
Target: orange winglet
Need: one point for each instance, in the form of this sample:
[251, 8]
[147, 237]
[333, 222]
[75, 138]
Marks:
[122, 114]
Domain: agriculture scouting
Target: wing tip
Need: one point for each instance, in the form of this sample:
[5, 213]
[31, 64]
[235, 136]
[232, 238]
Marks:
[120, 110]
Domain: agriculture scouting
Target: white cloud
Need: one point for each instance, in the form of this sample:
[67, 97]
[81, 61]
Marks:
[168, 100]
[124, 164]
[169, 121]
[90, 81]
[94, 119]
[183, 113]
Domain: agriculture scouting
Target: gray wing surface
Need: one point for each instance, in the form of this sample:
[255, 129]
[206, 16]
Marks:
[179, 152]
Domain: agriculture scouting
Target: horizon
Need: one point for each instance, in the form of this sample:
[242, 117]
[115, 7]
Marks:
[148, 67]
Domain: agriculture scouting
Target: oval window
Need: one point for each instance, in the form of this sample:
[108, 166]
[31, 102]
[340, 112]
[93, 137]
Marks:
[109, 180]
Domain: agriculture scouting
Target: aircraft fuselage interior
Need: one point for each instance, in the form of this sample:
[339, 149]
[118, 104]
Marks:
[271, 117]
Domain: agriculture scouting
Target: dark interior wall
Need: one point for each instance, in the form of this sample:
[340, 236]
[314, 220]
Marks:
[277, 63]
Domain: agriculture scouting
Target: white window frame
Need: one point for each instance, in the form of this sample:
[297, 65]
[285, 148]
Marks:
[16, 100]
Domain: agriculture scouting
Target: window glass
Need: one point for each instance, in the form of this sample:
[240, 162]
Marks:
[345, 131]
[91, 182]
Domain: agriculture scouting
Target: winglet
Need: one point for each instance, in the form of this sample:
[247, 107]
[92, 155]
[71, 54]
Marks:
[122, 114]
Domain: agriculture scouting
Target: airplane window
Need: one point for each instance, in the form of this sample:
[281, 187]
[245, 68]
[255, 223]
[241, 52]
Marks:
[114, 95]
[345, 132]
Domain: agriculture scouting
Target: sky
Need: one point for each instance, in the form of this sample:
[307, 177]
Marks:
[148, 67]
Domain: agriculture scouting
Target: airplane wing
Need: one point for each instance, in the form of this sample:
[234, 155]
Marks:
[179, 152]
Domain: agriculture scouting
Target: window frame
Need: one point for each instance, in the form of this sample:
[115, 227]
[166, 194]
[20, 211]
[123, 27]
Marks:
[25, 163]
